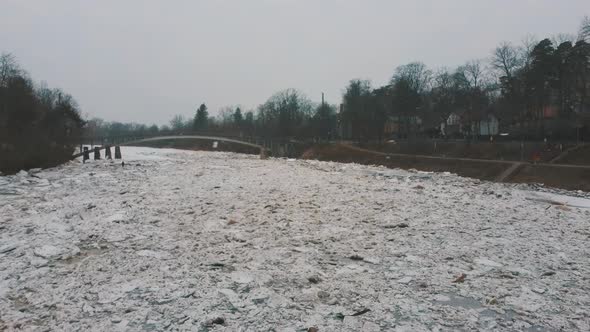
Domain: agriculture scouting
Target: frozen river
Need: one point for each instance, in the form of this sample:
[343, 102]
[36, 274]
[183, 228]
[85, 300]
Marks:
[202, 241]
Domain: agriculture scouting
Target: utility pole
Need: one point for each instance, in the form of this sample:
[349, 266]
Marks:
[322, 99]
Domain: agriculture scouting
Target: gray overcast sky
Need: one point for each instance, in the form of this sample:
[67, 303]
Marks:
[146, 60]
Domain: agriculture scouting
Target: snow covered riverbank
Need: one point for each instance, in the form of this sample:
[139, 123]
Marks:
[179, 240]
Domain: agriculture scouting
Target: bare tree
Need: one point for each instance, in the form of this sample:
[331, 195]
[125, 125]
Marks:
[177, 122]
[416, 74]
[285, 113]
[506, 59]
[471, 74]
[560, 38]
[526, 49]
[442, 78]
[443, 92]
[8, 68]
[225, 115]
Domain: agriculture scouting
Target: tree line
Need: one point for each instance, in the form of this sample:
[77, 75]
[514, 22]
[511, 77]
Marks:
[37, 123]
[288, 113]
[534, 90]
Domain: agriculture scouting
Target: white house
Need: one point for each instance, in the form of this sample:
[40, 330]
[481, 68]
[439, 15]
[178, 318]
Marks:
[489, 125]
[453, 119]
[451, 125]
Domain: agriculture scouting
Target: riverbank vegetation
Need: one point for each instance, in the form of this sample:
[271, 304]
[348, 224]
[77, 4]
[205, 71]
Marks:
[39, 126]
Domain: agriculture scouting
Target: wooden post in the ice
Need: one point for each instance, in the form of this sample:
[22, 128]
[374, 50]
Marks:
[86, 155]
[117, 152]
[263, 153]
[96, 153]
[107, 152]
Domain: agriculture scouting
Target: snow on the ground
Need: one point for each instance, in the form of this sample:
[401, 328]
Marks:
[203, 241]
[559, 199]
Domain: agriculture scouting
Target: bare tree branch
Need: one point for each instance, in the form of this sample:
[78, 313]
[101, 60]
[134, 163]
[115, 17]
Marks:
[472, 73]
[416, 74]
[560, 38]
[505, 59]
[526, 49]
[8, 68]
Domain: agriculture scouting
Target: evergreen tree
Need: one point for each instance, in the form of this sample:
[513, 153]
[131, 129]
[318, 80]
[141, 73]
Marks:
[325, 121]
[357, 107]
[541, 77]
[201, 118]
[238, 118]
[249, 122]
[406, 101]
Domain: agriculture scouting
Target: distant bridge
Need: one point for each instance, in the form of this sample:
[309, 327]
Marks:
[264, 146]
